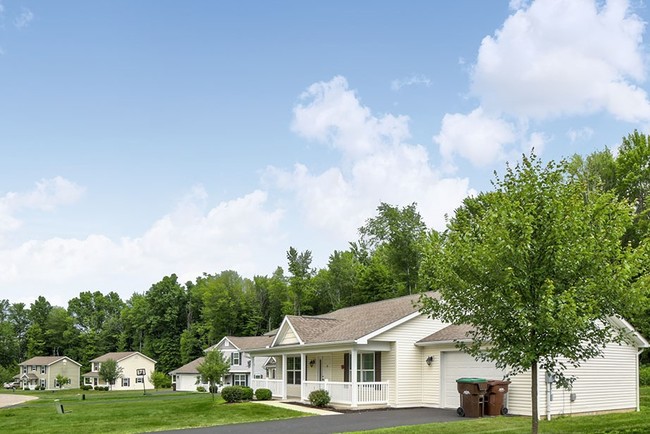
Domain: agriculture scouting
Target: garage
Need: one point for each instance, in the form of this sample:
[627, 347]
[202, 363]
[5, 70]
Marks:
[454, 365]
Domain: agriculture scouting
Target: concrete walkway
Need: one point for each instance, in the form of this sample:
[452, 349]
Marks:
[7, 400]
[337, 423]
[304, 409]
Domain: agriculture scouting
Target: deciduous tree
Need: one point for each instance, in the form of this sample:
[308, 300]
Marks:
[537, 268]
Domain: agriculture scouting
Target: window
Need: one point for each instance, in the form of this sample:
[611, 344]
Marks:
[88, 380]
[126, 382]
[366, 367]
[42, 369]
[258, 376]
[43, 383]
[234, 359]
[24, 369]
[239, 379]
[139, 380]
[293, 370]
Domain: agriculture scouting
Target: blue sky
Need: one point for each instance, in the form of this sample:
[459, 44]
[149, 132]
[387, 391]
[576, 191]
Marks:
[140, 139]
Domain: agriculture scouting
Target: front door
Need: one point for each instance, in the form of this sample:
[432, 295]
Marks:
[325, 368]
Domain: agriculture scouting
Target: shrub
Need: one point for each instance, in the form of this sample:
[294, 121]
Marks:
[644, 376]
[236, 393]
[200, 389]
[247, 393]
[231, 394]
[263, 394]
[319, 398]
[214, 389]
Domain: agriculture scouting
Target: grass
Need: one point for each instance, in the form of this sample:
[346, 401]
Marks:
[129, 412]
[615, 423]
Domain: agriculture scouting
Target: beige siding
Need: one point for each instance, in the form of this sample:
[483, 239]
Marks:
[602, 384]
[288, 337]
[129, 367]
[67, 369]
[388, 372]
[337, 370]
[408, 362]
[431, 375]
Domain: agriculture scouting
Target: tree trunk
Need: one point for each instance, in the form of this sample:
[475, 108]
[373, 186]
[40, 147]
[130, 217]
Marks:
[535, 417]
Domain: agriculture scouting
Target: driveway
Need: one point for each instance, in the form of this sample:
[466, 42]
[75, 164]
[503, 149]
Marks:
[7, 400]
[346, 422]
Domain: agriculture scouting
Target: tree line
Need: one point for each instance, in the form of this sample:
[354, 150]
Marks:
[173, 322]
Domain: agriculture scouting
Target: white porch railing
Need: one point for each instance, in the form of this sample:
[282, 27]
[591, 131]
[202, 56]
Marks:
[275, 386]
[341, 393]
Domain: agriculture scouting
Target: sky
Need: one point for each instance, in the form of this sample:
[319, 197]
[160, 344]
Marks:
[141, 139]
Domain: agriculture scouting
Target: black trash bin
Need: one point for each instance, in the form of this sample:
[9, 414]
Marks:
[495, 400]
[472, 393]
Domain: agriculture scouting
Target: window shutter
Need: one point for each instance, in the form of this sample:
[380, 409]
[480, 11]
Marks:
[346, 367]
[377, 366]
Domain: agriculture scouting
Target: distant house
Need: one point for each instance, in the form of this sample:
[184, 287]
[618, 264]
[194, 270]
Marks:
[235, 351]
[387, 353]
[136, 369]
[187, 377]
[42, 372]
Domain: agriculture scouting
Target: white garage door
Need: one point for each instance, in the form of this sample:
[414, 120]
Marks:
[457, 365]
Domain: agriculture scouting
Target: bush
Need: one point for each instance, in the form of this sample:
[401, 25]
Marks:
[263, 394]
[319, 398]
[214, 389]
[247, 393]
[236, 393]
[644, 376]
[200, 389]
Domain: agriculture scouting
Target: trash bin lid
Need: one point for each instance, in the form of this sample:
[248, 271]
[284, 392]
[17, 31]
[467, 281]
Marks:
[471, 380]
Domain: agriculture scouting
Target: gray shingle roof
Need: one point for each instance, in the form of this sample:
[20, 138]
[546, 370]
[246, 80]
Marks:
[117, 356]
[249, 342]
[354, 322]
[45, 361]
[448, 334]
[189, 368]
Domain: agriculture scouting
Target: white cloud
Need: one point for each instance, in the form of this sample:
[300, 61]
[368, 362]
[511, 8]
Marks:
[477, 137]
[331, 113]
[565, 57]
[47, 195]
[584, 133]
[239, 234]
[379, 165]
[413, 80]
[24, 19]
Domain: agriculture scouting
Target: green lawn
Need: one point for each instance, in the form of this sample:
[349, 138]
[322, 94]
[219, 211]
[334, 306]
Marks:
[129, 412]
[616, 423]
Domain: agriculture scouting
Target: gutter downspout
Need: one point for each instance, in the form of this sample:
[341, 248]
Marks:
[549, 394]
[638, 405]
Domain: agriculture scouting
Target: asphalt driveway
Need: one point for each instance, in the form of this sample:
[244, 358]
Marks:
[346, 422]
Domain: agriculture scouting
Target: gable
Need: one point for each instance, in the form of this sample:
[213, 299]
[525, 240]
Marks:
[286, 335]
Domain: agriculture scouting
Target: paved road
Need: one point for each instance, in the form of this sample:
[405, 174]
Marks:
[345, 422]
[7, 400]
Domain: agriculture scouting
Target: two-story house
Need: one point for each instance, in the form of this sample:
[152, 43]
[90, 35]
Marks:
[135, 371]
[235, 351]
[42, 372]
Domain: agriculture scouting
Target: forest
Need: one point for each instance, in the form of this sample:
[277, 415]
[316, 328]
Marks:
[172, 322]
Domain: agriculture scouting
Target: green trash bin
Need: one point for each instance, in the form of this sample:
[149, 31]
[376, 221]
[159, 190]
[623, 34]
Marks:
[472, 395]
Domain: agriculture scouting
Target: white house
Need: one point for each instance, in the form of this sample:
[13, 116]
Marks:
[187, 377]
[136, 369]
[389, 354]
[42, 372]
[234, 350]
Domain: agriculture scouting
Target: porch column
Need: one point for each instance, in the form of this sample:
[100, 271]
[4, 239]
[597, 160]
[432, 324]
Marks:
[252, 375]
[303, 376]
[284, 376]
[353, 375]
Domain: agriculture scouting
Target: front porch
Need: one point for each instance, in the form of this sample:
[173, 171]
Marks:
[352, 378]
